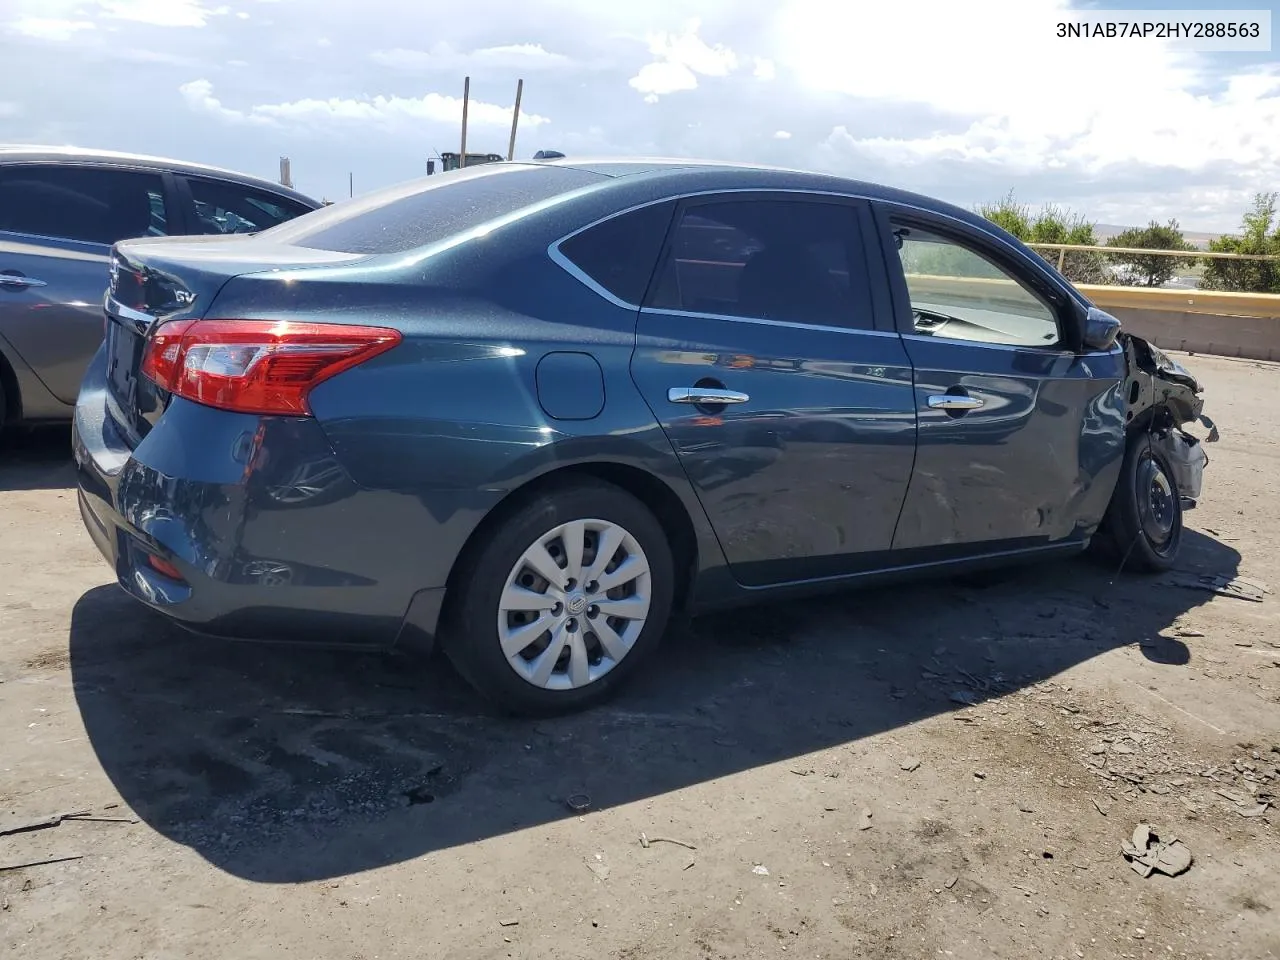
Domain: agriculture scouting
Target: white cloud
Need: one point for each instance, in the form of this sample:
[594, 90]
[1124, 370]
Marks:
[443, 56]
[380, 111]
[782, 135]
[679, 60]
[49, 28]
[162, 13]
[765, 69]
[242, 15]
[663, 77]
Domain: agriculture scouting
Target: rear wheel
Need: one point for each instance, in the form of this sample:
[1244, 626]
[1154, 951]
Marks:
[562, 601]
[1143, 524]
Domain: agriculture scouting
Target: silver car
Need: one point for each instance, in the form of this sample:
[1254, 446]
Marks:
[60, 210]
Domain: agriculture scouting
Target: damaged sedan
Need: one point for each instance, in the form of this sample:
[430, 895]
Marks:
[527, 412]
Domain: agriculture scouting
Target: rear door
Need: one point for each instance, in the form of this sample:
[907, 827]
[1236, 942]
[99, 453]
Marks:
[1020, 433]
[790, 408]
[57, 224]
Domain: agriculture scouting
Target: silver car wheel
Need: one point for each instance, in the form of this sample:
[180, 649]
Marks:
[574, 604]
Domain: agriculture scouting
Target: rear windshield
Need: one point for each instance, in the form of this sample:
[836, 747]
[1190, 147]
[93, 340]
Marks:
[425, 211]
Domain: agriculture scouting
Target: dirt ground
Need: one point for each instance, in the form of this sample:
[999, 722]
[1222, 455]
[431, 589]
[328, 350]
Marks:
[940, 770]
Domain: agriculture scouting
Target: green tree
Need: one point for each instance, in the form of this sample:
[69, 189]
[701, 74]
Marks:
[1259, 234]
[1135, 270]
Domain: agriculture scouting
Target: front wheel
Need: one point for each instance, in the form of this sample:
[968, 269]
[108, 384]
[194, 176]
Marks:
[562, 600]
[1143, 524]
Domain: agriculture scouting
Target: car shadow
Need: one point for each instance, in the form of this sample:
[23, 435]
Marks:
[36, 459]
[284, 765]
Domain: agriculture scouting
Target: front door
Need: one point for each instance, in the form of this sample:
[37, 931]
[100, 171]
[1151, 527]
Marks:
[792, 414]
[1020, 434]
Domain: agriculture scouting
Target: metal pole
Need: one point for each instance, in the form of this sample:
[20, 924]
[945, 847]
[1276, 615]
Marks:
[466, 96]
[515, 119]
[351, 184]
[1062, 255]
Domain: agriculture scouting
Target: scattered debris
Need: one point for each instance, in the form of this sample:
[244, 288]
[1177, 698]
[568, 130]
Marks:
[866, 819]
[760, 869]
[910, 764]
[1255, 811]
[802, 773]
[965, 697]
[1147, 853]
[1104, 810]
[645, 841]
[951, 881]
[39, 863]
[578, 803]
[1188, 632]
[510, 922]
[52, 820]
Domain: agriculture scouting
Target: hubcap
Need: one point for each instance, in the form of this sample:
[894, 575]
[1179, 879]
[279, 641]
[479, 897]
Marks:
[574, 604]
[1156, 503]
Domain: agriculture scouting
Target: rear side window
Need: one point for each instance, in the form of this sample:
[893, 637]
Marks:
[795, 261]
[425, 211]
[223, 207]
[73, 202]
[620, 253]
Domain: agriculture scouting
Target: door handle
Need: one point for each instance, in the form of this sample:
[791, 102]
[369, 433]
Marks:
[951, 401]
[705, 396]
[17, 280]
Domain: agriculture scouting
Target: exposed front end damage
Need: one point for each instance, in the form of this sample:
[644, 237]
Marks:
[1162, 397]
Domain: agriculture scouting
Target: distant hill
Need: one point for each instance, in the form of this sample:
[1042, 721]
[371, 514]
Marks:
[1105, 231]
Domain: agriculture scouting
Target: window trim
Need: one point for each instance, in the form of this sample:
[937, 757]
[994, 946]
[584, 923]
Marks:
[997, 251]
[173, 212]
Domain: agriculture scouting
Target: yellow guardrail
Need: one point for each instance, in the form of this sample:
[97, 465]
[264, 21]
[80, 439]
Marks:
[1064, 248]
[1004, 291]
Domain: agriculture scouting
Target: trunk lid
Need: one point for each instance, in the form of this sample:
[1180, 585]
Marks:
[156, 280]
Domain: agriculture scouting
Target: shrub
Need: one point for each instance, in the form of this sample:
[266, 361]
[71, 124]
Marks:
[1135, 270]
[1260, 234]
[1052, 225]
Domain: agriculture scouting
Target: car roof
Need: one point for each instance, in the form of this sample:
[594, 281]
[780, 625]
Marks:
[728, 175]
[34, 153]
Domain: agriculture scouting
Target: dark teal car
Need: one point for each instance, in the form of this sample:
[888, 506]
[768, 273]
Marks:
[528, 410]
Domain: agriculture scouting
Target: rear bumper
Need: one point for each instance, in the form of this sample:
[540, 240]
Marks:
[270, 536]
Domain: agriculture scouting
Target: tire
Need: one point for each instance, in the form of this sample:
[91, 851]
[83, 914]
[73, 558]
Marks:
[1143, 524]
[477, 618]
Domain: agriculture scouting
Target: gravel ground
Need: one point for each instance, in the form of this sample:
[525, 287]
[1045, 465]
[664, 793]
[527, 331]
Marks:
[934, 770]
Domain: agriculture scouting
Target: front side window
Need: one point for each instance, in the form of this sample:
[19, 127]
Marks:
[82, 202]
[783, 260]
[958, 294]
[230, 208]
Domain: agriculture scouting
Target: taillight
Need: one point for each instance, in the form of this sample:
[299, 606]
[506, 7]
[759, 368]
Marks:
[256, 366]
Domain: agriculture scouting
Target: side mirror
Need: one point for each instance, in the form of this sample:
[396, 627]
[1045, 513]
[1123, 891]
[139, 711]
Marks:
[1100, 329]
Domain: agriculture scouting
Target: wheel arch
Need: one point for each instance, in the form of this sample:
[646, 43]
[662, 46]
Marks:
[655, 493]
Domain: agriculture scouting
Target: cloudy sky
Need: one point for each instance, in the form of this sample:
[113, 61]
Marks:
[961, 100]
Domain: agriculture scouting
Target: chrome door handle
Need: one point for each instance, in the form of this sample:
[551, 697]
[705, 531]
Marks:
[708, 396]
[951, 401]
[10, 280]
